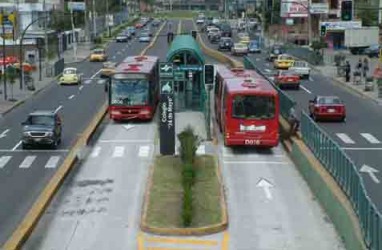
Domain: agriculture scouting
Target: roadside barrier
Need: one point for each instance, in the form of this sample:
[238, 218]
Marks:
[286, 102]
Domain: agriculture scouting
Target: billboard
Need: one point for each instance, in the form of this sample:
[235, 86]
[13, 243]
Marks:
[298, 8]
[8, 24]
[76, 6]
[319, 8]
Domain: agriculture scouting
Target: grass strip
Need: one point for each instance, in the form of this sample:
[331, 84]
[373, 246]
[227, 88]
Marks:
[166, 193]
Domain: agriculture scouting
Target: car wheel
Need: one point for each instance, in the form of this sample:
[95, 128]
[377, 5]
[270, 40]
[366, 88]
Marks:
[343, 119]
[55, 144]
[24, 146]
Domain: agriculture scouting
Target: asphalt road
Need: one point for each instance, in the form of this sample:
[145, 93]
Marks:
[360, 136]
[269, 204]
[24, 173]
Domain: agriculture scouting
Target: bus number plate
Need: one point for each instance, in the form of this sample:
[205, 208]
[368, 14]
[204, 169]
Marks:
[251, 142]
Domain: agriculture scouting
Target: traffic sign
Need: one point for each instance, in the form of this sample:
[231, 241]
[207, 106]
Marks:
[166, 86]
[179, 75]
[166, 70]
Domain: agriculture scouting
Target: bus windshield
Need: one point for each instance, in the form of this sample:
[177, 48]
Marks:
[253, 107]
[129, 91]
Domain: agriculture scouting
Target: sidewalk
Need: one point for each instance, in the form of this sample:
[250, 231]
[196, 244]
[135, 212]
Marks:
[330, 70]
[21, 95]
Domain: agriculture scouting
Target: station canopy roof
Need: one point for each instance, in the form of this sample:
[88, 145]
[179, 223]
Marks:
[185, 43]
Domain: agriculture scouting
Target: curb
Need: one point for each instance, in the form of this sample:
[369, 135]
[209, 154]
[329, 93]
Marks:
[196, 231]
[329, 181]
[24, 229]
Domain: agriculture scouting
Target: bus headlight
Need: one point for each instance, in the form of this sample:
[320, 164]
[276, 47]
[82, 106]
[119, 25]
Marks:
[115, 112]
[145, 112]
[226, 135]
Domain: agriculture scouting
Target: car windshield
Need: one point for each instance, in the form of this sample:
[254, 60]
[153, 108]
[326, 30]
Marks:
[240, 45]
[46, 120]
[288, 73]
[277, 51]
[300, 64]
[69, 71]
[144, 34]
[98, 51]
[129, 91]
[253, 107]
[225, 40]
[329, 100]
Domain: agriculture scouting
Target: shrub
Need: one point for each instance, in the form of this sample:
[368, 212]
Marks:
[187, 210]
[188, 175]
[189, 143]
[98, 40]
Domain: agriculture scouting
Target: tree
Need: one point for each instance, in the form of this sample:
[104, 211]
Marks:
[11, 74]
[368, 14]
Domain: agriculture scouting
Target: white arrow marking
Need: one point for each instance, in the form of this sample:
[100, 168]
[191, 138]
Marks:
[4, 134]
[371, 171]
[266, 185]
[127, 127]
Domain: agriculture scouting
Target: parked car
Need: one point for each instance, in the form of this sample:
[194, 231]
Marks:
[373, 51]
[254, 47]
[283, 61]
[98, 55]
[132, 30]
[302, 68]
[287, 79]
[144, 37]
[327, 108]
[42, 128]
[274, 52]
[239, 49]
[225, 43]
[70, 76]
[122, 38]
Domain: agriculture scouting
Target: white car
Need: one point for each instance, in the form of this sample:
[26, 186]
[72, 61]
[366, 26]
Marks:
[239, 49]
[301, 68]
[215, 20]
[200, 21]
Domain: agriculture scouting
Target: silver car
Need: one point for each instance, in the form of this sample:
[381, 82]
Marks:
[239, 49]
[301, 68]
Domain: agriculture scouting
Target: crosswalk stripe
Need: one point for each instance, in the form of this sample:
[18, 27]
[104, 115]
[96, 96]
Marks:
[370, 138]
[88, 81]
[345, 138]
[201, 150]
[144, 151]
[118, 151]
[27, 162]
[95, 152]
[4, 160]
[52, 162]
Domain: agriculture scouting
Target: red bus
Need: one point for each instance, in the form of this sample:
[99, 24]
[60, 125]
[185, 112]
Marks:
[134, 89]
[246, 108]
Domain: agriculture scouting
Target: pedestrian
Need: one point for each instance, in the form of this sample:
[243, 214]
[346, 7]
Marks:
[347, 71]
[358, 66]
[365, 68]
[293, 121]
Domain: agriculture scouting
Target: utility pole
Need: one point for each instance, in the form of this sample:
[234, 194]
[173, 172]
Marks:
[45, 36]
[73, 32]
[108, 19]
[309, 24]
[4, 75]
[94, 20]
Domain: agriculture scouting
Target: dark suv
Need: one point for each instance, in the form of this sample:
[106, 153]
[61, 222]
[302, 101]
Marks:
[42, 128]
[225, 43]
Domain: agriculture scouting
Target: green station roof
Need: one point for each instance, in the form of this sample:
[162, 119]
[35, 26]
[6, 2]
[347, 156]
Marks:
[185, 43]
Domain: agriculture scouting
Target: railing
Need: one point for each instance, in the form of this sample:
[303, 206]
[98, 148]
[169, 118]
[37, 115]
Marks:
[286, 102]
[345, 172]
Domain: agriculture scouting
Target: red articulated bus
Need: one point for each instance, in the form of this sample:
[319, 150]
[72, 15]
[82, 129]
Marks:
[134, 89]
[246, 108]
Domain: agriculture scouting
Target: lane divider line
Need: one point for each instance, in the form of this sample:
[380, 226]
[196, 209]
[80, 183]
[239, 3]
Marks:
[153, 41]
[80, 88]
[58, 108]
[71, 97]
[17, 145]
[305, 89]
[225, 242]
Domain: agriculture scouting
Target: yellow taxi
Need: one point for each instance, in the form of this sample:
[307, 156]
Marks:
[98, 55]
[108, 69]
[70, 76]
[283, 62]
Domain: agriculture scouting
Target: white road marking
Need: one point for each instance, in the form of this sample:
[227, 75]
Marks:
[306, 90]
[311, 79]
[268, 70]
[71, 97]
[257, 162]
[58, 109]
[17, 145]
[4, 133]
[95, 152]
[52, 162]
[96, 73]
[80, 88]
[371, 171]
[266, 185]
[4, 160]
[128, 126]
[257, 59]
[113, 57]
[345, 138]
[365, 149]
[119, 151]
[201, 150]
[27, 162]
[126, 141]
[36, 151]
[144, 151]
[370, 138]
[88, 81]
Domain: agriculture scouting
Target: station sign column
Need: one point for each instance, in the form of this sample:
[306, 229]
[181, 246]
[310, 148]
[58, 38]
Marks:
[166, 109]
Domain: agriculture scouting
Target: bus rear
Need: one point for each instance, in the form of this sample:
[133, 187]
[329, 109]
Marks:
[250, 113]
[134, 90]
